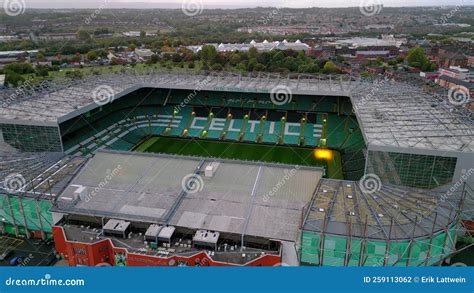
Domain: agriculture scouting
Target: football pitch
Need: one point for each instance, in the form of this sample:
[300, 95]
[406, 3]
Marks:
[242, 151]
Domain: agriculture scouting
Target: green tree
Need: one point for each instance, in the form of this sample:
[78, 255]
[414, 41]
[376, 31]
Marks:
[83, 35]
[42, 70]
[208, 54]
[330, 67]
[40, 56]
[234, 59]
[216, 67]
[417, 58]
[12, 78]
[20, 68]
[253, 52]
[259, 67]
[92, 55]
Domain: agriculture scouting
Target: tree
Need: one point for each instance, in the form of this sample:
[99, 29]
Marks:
[251, 64]
[142, 34]
[242, 66]
[330, 67]
[92, 55]
[417, 58]
[216, 67]
[83, 35]
[253, 52]
[290, 64]
[20, 68]
[235, 59]
[314, 68]
[259, 67]
[40, 56]
[208, 54]
[12, 78]
[42, 70]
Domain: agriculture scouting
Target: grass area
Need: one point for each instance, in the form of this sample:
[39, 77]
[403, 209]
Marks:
[241, 151]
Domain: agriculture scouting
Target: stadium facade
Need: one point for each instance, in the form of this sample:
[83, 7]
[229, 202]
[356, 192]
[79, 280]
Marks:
[419, 146]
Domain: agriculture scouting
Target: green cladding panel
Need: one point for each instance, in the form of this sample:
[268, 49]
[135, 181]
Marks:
[18, 213]
[336, 251]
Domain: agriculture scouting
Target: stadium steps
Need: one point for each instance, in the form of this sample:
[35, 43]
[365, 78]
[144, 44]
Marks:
[291, 139]
[234, 129]
[217, 125]
[251, 129]
[270, 132]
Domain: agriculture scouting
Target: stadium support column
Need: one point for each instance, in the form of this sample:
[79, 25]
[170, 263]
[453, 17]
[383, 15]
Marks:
[40, 220]
[22, 211]
[9, 202]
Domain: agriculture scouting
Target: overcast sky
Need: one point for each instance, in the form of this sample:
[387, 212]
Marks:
[230, 3]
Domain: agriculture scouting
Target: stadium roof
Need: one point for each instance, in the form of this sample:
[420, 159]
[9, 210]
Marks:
[390, 113]
[249, 198]
[379, 211]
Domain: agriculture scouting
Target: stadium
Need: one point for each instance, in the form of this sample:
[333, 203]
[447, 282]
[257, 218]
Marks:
[215, 169]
